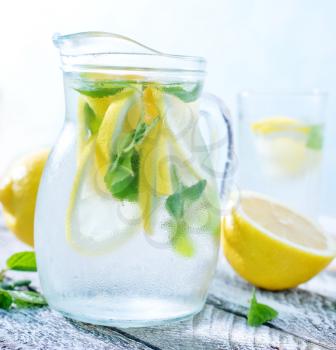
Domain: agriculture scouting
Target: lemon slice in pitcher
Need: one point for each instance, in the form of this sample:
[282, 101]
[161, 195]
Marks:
[112, 125]
[272, 246]
[95, 223]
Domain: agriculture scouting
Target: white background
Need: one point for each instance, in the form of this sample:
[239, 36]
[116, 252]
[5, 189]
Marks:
[248, 44]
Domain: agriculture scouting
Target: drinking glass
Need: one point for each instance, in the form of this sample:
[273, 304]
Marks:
[281, 145]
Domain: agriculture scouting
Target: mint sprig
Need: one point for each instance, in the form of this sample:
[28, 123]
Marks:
[27, 298]
[6, 300]
[122, 175]
[259, 313]
[100, 89]
[176, 205]
[19, 293]
[176, 202]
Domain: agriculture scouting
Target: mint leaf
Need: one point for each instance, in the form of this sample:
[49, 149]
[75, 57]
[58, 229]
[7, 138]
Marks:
[27, 297]
[175, 205]
[140, 132]
[5, 300]
[21, 283]
[6, 286]
[259, 313]
[118, 179]
[23, 261]
[91, 121]
[183, 93]
[102, 88]
[100, 91]
[122, 177]
[144, 130]
[315, 137]
[125, 143]
[194, 192]
[15, 284]
[175, 202]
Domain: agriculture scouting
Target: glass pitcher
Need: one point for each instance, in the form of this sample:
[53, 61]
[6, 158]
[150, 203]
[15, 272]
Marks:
[127, 222]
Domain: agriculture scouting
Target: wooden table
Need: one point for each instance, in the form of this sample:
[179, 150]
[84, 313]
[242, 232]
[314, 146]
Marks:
[307, 320]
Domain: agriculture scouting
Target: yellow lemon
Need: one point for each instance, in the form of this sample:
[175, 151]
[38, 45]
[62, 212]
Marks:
[272, 246]
[18, 192]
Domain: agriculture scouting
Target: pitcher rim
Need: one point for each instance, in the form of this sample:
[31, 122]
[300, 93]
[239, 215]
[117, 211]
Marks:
[81, 45]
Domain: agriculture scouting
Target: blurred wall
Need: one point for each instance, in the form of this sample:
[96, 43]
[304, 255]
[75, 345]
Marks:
[248, 44]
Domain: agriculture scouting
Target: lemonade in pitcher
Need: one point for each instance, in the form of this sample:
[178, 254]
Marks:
[128, 214]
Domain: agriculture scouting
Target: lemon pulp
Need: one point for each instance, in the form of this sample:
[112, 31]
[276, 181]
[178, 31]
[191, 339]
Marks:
[272, 246]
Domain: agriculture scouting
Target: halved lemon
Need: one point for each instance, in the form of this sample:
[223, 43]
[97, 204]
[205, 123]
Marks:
[272, 246]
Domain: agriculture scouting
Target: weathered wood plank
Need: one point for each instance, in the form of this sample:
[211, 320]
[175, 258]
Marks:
[211, 329]
[323, 284]
[302, 313]
[42, 329]
[214, 328]
[306, 321]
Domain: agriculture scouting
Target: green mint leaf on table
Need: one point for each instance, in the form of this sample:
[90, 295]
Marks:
[22, 283]
[19, 293]
[23, 261]
[315, 137]
[27, 297]
[15, 284]
[259, 313]
[6, 300]
[184, 94]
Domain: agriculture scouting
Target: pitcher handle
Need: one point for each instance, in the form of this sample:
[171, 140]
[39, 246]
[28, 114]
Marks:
[220, 119]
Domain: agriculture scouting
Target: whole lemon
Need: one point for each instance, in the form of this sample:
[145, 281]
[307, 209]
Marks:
[18, 192]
